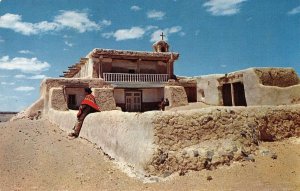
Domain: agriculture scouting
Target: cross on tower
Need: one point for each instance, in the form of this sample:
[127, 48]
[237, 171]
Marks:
[162, 35]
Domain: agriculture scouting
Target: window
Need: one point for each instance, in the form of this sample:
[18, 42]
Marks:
[72, 101]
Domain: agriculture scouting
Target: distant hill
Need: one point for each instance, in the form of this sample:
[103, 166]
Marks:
[8, 112]
[6, 115]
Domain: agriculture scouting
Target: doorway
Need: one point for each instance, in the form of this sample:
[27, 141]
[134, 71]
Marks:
[226, 95]
[133, 101]
[239, 94]
[233, 94]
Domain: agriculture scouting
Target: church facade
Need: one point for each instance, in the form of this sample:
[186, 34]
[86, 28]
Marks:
[137, 78]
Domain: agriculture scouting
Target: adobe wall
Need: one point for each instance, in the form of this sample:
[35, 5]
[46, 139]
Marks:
[161, 143]
[207, 89]
[105, 98]
[281, 77]
[58, 100]
[206, 138]
[176, 96]
[49, 83]
[127, 137]
[259, 94]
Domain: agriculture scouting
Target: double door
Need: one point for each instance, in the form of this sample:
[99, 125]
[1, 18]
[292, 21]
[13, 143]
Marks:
[133, 101]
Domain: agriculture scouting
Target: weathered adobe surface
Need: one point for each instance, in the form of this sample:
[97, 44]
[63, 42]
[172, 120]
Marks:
[203, 140]
[281, 77]
[111, 52]
[176, 95]
[105, 98]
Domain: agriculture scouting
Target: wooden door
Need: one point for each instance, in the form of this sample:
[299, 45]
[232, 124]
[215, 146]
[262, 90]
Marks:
[133, 101]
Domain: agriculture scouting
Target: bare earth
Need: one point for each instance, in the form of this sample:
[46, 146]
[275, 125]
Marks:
[36, 155]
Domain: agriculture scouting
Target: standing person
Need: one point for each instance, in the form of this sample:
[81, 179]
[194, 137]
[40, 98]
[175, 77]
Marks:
[87, 106]
[162, 105]
[167, 102]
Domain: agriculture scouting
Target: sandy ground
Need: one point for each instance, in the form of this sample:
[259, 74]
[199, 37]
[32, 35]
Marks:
[36, 155]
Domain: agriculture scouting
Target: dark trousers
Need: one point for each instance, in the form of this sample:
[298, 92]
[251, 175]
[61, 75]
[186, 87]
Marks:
[85, 110]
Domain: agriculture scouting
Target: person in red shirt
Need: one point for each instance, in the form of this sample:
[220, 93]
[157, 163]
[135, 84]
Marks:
[87, 106]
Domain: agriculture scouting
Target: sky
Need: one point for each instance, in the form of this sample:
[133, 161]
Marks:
[41, 38]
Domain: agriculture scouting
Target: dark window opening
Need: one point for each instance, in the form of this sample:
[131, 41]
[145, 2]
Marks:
[72, 101]
[191, 93]
[131, 71]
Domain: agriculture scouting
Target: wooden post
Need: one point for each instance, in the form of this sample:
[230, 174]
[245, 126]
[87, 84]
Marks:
[100, 70]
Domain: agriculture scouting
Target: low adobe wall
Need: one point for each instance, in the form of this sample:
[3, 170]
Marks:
[161, 143]
[205, 138]
[127, 137]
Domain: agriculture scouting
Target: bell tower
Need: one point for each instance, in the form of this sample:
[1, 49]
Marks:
[161, 45]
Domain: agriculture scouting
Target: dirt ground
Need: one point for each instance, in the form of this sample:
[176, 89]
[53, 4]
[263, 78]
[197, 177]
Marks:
[36, 155]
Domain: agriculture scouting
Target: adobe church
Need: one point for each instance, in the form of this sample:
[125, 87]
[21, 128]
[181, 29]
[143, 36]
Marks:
[132, 81]
[137, 78]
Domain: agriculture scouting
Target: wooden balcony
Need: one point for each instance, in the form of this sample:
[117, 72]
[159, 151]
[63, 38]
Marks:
[125, 77]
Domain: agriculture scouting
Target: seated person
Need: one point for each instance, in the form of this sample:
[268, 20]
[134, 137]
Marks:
[87, 106]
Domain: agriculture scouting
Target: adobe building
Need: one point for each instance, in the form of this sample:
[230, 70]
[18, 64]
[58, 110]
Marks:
[132, 81]
[250, 87]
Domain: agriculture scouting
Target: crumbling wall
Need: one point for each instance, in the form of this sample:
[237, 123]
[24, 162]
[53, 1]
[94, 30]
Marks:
[281, 77]
[258, 94]
[105, 98]
[176, 96]
[204, 139]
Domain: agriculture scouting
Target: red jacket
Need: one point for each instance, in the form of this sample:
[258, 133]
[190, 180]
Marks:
[90, 101]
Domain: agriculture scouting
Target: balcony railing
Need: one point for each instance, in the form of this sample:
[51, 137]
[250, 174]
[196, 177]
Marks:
[125, 77]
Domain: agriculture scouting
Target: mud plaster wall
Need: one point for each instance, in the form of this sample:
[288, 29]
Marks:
[176, 95]
[258, 94]
[281, 77]
[198, 139]
[105, 98]
[49, 83]
[58, 100]
[161, 143]
[209, 86]
[127, 137]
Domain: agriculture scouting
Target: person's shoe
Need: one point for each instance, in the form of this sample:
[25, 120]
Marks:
[72, 135]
